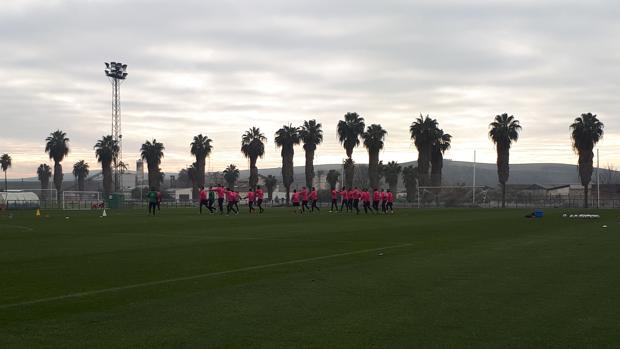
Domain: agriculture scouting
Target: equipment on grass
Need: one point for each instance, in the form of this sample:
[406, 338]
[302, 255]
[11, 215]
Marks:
[38, 213]
[104, 214]
[82, 200]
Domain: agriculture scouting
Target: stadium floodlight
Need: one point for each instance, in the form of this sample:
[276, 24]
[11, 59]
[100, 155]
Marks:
[116, 72]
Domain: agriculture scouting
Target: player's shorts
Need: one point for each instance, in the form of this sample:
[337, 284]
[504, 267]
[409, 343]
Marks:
[295, 204]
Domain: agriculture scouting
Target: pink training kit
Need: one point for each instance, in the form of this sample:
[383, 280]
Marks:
[251, 196]
[220, 192]
[260, 194]
[314, 195]
[384, 196]
[295, 197]
[304, 195]
[377, 196]
[334, 194]
[390, 197]
[203, 195]
[344, 194]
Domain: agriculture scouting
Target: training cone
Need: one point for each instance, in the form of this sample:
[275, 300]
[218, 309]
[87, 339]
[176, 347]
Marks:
[38, 214]
[104, 214]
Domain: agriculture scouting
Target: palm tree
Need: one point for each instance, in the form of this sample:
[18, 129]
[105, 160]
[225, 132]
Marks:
[192, 175]
[373, 141]
[440, 146]
[504, 130]
[391, 172]
[231, 174]
[253, 147]
[311, 135]
[270, 184]
[106, 151]
[5, 163]
[201, 148]
[80, 171]
[286, 138]
[332, 178]
[152, 152]
[349, 131]
[422, 132]
[410, 179]
[57, 146]
[586, 131]
[44, 172]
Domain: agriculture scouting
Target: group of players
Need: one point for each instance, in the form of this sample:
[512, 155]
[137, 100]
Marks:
[382, 201]
[304, 200]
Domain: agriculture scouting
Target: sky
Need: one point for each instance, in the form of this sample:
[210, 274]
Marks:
[221, 67]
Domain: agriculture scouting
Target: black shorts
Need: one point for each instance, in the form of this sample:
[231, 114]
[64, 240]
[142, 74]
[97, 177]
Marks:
[295, 204]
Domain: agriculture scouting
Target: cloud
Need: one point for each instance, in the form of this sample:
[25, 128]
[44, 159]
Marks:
[220, 67]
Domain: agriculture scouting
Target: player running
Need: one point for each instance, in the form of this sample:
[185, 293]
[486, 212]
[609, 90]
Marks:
[203, 198]
[384, 198]
[304, 199]
[334, 206]
[152, 196]
[251, 196]
[345, 199]
[259, 199]
[295, 200]
[230, 201]
[211, 200]
[356, 200]
[221, 193]
[390, 201]
[314, 197]
[376, 199]
[366, 201]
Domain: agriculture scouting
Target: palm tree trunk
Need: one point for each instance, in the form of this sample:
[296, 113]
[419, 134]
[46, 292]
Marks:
[253, 172]
[503, 195]
[58, 180]
[6, 186]
[349, 171]
[373, 170]
[288, 192]
[107, 178]
[585, 196]
[309, 169]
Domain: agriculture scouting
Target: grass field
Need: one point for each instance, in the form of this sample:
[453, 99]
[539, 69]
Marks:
[419, 278]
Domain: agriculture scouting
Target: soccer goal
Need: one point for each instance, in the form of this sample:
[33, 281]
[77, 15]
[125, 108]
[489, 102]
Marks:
[452, 196]
[82, 200]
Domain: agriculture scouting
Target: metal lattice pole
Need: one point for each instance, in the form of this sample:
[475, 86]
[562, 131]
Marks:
[117, 72]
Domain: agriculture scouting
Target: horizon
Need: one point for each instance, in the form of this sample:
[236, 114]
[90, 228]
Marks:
[194, 68]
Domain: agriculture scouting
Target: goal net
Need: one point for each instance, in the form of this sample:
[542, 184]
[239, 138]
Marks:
[452, 196]
[82, 200]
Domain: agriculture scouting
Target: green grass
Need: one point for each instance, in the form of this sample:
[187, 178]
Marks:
[452, 278]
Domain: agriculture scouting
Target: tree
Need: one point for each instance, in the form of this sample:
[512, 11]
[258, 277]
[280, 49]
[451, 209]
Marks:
[332, 178]
[286, 138]
[422, 132]
[349, 131]
[586, 131]
[231, 174]
[57, 147]
[106, 151]
[410, 179]
[80, 172]
[152, 153]
[44, 172]
[5, 163]
[311, 135]
[504, 130]
[270, 184]
[253, 147]
[391, 172]
[440, 145]
[373, 141]
[201, 148]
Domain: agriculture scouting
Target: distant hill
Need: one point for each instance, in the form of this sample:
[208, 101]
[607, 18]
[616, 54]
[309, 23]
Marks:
[453, 172]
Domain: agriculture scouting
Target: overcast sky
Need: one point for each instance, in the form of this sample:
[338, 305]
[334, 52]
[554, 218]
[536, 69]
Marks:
[220, 67]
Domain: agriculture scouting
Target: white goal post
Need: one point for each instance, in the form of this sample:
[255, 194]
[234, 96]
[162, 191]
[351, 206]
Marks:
[457, 195]
[82, 200]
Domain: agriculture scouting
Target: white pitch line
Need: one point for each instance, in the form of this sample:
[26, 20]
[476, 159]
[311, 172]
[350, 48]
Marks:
[198, 276]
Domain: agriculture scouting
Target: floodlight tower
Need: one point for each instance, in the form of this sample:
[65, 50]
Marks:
[116, 72]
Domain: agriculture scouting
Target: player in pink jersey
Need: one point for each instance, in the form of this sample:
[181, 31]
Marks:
[304, 199]
[230, 200]
[251, 197]
[366, 201]
[260, 195]
[221, 193]
[203, 198]
[356, 199]
[376, 199]
[344, 194]
[390, 201]
[295, 200]
[334, 207]
[384, 198]
[314, 197]
[350, 201]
